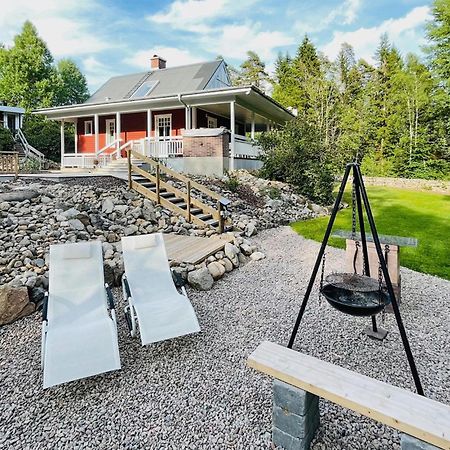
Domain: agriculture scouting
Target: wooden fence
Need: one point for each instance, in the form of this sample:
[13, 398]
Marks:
[9, 163]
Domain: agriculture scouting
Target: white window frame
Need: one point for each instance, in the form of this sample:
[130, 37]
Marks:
[213, 120]
[108, 138]
[86, 123]
[163, 116]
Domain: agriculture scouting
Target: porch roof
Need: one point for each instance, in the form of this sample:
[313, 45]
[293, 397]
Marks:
[247, 97]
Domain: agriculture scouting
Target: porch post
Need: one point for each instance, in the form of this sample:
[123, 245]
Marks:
[96, 133]
[62, 143]
[76, 136]
[252, 132]
[17, 121]
[5, 120]
[149, 123]
[118, 130]
[194, 117]
[233, 131]
[187, 118]
[268, 125]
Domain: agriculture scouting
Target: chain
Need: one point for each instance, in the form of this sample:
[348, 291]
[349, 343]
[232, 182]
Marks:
[354, 209]
[321, 279]
[380, 277]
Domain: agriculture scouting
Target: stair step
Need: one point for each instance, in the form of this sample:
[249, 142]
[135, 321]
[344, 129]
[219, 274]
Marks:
[212, 223]
[204, 217]
[177, 201]
[167, 194]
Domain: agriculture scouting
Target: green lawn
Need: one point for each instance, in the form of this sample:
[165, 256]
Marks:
[400, 212]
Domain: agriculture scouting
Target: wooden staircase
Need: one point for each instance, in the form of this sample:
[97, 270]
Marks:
[155, 187]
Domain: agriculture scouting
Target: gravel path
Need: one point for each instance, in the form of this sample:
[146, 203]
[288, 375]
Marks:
[196, 392]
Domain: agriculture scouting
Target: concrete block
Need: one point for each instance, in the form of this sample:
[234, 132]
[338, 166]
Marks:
[294, 425]
[287, 442]
[411, 443]
[292, 399]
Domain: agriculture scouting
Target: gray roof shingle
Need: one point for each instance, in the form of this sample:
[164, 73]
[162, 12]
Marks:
[173, 80]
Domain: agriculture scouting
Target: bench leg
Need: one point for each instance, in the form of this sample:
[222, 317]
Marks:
[411, 443]
[295, 416]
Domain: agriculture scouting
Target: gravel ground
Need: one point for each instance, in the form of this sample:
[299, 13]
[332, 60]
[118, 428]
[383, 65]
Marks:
[196, 392]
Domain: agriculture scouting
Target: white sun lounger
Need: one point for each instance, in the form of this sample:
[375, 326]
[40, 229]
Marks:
[161, 311]
[79, 336]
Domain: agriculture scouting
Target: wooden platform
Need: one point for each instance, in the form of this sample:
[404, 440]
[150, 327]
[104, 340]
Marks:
[193, 250]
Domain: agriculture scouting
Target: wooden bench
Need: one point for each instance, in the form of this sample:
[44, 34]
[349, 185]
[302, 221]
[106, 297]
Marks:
[303, 378]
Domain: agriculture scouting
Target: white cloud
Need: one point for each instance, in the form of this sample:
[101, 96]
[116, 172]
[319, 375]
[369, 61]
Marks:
[344, 14]
[233, 41]
[174, 57]
[197, 15]
[59, 23]
[405, 32]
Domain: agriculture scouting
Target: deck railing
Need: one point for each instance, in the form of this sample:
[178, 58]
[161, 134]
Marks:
[244, 148]
[159, 148]
[9, 163]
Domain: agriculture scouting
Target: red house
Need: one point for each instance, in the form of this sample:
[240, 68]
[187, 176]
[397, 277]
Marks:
[189, 115]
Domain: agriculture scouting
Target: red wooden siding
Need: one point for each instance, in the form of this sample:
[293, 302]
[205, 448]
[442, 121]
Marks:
[134, 126]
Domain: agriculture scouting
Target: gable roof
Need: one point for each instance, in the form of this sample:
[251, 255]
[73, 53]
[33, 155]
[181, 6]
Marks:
[180, 79]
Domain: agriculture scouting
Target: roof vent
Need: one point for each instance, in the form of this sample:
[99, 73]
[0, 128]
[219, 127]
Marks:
[107, 99]
[157, 62]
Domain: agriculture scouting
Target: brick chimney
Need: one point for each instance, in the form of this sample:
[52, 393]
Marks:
[157, 62]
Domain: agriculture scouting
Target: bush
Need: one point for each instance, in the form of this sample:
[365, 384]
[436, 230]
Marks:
[6, 140]
[44, 135]
[296, 155]
[231, 183]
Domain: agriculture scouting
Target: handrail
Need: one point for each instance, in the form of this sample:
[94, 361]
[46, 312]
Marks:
[113, 143]
[28, 148]
[177, 175]
[190, 184]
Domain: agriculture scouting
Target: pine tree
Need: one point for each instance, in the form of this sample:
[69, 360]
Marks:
[253, 71]
[439, 35]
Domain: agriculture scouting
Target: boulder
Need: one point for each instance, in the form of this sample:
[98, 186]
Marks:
[227, 264]
[76, 224]
[231, 251]
[130, 229]
[107, 206]
[250, 229]
[257, 256]
[201, 279]
[19, 195]
[14, 303]
[216, 270]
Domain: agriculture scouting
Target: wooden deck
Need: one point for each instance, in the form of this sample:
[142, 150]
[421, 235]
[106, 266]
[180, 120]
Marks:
[193, 250]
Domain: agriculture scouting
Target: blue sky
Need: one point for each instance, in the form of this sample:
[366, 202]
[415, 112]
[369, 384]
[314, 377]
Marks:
[109, 38]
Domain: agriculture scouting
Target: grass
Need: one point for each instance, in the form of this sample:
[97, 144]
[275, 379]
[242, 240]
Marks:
[400, 212]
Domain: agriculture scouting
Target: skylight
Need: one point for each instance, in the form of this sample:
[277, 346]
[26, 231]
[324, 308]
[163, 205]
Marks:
[144, 89]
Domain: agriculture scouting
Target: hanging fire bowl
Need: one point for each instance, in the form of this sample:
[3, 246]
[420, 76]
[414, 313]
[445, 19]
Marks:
[354, 294]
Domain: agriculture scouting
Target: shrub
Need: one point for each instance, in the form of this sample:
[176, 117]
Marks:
[6, 140]
[44, 135]
[272, 192]
[231, 183]
[295, 154]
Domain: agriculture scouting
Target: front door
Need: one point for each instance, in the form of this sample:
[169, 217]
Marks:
[12, 122]
[163, 126]
[110, 131]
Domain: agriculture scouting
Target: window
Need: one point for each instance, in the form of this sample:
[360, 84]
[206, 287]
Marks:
[163, 126]
[144, 89]
[88, 127]
[212, 122]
